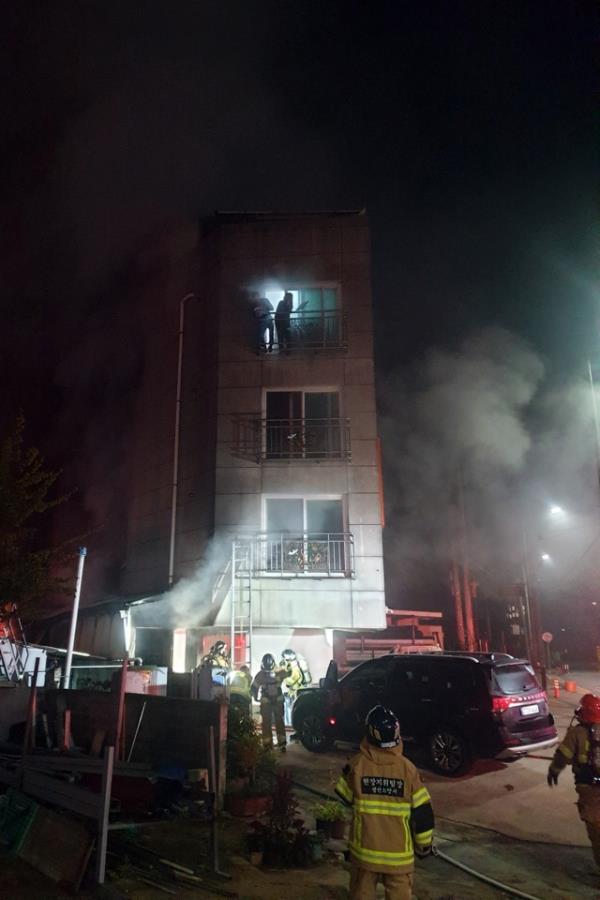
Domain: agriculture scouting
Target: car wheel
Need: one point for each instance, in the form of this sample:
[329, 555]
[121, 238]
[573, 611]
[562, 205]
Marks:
[448, 752]
[312, 733]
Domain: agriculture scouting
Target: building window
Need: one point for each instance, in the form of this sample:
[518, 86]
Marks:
[307, 318]
[304, 425]
[304, 537]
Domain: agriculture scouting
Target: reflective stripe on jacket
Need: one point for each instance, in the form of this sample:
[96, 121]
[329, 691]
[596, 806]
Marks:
[575, 751]
[391, 808]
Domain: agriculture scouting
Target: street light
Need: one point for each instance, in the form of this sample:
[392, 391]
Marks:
[557, 512]
[546, 557]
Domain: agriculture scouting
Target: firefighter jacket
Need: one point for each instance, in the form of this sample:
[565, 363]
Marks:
[391, 809]
[216, 660]
[576, 751]
[294, 677]
[267, 685]
[240, 683]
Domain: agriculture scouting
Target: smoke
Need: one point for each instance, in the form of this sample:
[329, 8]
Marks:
[194, 601]
[484, 415]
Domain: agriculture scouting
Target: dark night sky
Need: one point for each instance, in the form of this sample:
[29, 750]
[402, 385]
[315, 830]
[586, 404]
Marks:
[466, 129]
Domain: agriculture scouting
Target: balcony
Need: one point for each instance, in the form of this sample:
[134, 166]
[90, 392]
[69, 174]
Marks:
[325, 330]
[314, 331]
[321, 555]
[291, 439]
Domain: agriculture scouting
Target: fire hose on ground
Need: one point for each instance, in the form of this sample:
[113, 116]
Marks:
[507, 888]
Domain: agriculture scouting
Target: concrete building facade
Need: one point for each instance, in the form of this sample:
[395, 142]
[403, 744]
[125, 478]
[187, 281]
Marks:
[249, 484]
[297, 478]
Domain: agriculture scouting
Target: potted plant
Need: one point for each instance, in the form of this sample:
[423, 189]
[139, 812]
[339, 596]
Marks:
[255, 844]
[283, 836]
[250, 767]
[316, 839]
[330, 818]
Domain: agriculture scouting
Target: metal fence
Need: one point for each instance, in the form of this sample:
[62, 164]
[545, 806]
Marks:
[310, 553]
[263, 439]
[321, 330]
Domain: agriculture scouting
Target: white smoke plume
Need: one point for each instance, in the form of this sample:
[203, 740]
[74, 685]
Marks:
[460, 413]
[486, 414]
[196, 600]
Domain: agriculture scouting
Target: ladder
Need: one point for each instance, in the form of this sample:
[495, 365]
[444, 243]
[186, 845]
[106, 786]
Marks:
[13, 645]
[241, 567]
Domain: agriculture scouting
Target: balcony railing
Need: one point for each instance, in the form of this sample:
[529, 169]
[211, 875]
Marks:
[321, 330]
[272, 439]
[311, 553]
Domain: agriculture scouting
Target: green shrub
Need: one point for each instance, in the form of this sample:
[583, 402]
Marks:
[330, 811]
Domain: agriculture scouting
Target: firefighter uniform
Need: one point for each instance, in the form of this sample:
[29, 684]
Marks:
[240, 683]
[392, 818]
[297, 675]
[217, 656]
[579, 749]
[267, 687]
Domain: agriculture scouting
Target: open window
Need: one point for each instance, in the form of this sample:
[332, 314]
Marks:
[314, 320]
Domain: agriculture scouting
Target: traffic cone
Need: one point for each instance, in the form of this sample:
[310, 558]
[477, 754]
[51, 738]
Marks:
[556, 687]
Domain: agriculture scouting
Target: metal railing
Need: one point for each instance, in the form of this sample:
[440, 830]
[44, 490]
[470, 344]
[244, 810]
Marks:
[266, 439]
[321, 330]
[311, 553]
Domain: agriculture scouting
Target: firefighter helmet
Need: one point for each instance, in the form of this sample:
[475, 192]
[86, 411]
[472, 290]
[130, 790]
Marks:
[588, 711]
[219, 647]
[268, 662]
[289, 655]
[383, 727]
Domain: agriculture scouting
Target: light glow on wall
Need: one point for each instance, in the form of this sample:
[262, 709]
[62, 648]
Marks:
[178, 664]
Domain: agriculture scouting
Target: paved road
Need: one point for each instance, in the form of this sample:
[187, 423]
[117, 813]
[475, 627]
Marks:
[502, 818]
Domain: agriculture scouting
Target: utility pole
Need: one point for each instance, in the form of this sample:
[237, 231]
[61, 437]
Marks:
[458, 609]
[466, 574]
[531, 604]
[596, 415]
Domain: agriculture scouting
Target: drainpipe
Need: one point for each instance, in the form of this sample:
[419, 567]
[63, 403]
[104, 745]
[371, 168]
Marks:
[175, 483]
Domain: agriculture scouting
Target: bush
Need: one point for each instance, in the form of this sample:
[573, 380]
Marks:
[247, 757]
[284, 839]
[330, 811]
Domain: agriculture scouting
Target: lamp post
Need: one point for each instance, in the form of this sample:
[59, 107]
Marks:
[556, 514]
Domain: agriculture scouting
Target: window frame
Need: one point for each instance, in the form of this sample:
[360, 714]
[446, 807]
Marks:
[304, 498]
[341, 498]
[303, 391]
[266, 289]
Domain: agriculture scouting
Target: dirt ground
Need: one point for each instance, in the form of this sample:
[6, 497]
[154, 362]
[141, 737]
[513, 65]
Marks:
[185, 842]
[472, 828]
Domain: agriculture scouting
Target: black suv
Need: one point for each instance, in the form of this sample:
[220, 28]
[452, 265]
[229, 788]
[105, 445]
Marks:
[452, 705]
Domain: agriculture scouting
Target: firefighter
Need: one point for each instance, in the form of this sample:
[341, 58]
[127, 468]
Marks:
[240, 682]
[581, 750]
[217, 656]
[297, 676]
[392, 814]
[266, 687]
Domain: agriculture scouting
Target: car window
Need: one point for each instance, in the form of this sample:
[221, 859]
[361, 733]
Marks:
[514, 679]
[457, 678]
[374, 673]
[411, 676]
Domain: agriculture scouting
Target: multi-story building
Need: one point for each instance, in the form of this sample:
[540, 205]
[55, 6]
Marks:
[254, 506]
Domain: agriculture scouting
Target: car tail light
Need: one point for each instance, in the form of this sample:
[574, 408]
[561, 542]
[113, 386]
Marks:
[332, 720]
[502, 703]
